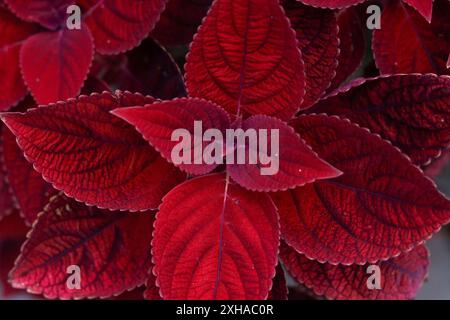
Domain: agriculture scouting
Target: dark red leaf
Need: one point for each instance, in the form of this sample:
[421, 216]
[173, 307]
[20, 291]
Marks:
[12, 34]
[297, 163]
[6, 198]
[245, 58]
[180, 20]
[111, 249]
[12, 227]
[215, 240]
[317, 31]
[158, 121]
[49, 13]
[380, 207]
[70, 53]
[279, 289]
[332, 4]
[424, 7]
[411, 111]
[352, 45]
[407, 43]
[151, 291]
[120, 25]
[401, 277]
[92, 155]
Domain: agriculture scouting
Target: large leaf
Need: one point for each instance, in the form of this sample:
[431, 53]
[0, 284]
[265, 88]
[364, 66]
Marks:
[411, 111]
[49, 13]
[70, 53]
[381, 206]
[317, 31]
[407, 43]
[111, 249]
[215, 240]
[120, 25]
[400, 277]
[293, 164]
[92, 155]
[12, 34]
[245, 58]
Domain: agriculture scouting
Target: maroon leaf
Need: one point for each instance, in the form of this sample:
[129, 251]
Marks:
[411, 111]
[92, 155]
[151, 291]
[120, 25]
[111, 249]
[279, 289]
[401, 277]
[332, 4]
[245, 58]
[215, 240]
[157, 123]
[12, 34]
[49, 13]
[380, 207]
[317, 37]
[406, 43]
[180, 20]
[292, 165]
[424, 7]
[70, 52]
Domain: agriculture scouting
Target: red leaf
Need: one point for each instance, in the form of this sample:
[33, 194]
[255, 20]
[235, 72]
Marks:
[151, 291]
[317, 31]
[411, 111]
[29, 189]
[49, 13]
[424, 7]
[245, 58]
[406, 43]
[12, 34]
[6, 198]
[148, 69]
[180, 20]
[401, 277]
[158, 121]
[279, 289]
[332, 4]
[215, 240]
[135, 18]
[92, 155]
[70, 52]
[110, 248]
[352, 45]
[380, 207]
[297, 163]
[12, 227]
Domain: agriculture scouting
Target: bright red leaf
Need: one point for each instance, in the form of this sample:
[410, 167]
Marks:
[120, 25]
[411, 111]
[407, 43]
[401, 277]
[215, 240]
[92, 155]
[332, 4]
[157, 123]
[245, 58]
[294, 164]
[111, 249]
[70, 52]
[381, 206]
[317, 31]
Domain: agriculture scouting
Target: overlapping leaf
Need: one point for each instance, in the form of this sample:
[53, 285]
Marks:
[400, 277]
[411, 111]
[215, 240]
[92, 155]
[111, 249]
[245, 58]
[120, 25]
[70, 53]
[279, 289]
[381, 206]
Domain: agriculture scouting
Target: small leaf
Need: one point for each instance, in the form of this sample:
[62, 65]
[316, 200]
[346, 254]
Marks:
[70, 53]
[215, 240]
[92, 155]
[111, 249]
[245, 58]
[401, 277]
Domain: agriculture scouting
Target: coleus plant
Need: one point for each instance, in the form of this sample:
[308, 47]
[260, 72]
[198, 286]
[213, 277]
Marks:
[350, 190]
